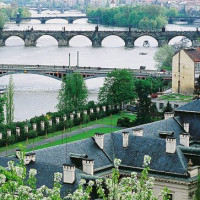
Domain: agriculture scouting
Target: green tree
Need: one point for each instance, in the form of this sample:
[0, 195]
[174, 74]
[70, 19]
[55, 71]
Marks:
[73, 94]
[163, 57]
[117, 88]
[197, 193]
[2, 103]
[143, 89]
[2, 20]
[10, 101]
[168, 108]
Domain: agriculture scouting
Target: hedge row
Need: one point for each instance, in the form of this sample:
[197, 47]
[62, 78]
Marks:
[48, 123]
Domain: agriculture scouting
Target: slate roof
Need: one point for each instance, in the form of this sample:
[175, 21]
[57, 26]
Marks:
[194, 54]
[193, 106]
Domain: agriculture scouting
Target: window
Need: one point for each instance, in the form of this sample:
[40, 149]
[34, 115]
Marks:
[161, 105]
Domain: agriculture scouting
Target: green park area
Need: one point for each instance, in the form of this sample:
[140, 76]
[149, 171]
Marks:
[110, 121]
[176, 97]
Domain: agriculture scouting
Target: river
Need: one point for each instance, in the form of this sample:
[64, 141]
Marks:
[36, 95]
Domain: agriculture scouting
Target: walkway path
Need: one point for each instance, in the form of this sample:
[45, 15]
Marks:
[59, 137]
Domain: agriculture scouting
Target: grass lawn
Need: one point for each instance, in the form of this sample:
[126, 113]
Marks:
[176, 97]
[111, 120]
[79, 136]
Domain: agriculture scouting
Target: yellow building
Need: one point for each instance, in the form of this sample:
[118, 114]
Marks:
[185, 66]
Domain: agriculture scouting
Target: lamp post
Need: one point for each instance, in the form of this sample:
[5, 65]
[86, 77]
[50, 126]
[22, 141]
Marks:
[69, 60]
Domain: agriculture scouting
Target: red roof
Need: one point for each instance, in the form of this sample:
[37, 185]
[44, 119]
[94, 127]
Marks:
[194, 54]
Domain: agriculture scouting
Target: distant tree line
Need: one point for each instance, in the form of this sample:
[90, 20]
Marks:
[144, 17]
[12, 11]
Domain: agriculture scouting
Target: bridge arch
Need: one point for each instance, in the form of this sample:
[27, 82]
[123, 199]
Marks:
[46, 40]
[14, 41]
[113, 41]
[54, 76]
[61, 20]
[80, 40]
[180, 39]
[146, 40]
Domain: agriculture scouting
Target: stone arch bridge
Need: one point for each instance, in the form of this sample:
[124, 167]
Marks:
[96, 37]
[43, 20]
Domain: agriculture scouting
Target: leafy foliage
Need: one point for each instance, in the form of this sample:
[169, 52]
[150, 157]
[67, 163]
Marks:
[163, 57]
[73, 94]
[2, 103]
[168, 107]
[118, 87]
[145, 17]
[10, 102]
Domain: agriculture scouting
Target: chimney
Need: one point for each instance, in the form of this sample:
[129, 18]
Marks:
[68, 173]
[29, 157]
[88, 166]
[125, 139]
[185, 139]
[168, 115]
[138, 132]
[186, 127]
[99, 139]
[170, 145]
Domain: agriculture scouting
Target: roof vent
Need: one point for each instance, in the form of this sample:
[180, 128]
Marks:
[165, 134]
[186, 127]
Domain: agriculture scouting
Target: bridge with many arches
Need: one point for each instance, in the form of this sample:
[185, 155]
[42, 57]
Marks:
[96, 37]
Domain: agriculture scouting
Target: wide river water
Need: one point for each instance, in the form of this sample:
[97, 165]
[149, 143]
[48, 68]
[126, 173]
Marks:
[36, 95]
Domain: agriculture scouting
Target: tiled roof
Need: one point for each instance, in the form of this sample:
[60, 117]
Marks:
[194, 54]
[193, 106]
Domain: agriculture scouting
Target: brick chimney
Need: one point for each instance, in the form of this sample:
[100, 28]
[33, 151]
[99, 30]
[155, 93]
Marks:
[186, 127]
[138, 132]
[125, 139]
[170, 145]
[88, 166]
[99, 139]
[68, 173]
[185, 139]
[168, 115]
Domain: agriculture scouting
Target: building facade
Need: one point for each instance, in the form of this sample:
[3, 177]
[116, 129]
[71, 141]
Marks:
[185, 67]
